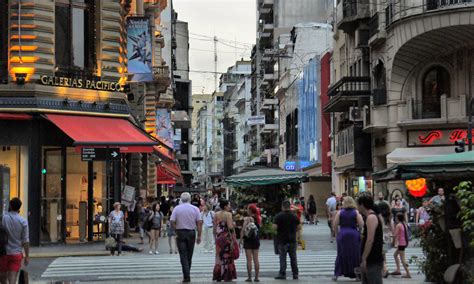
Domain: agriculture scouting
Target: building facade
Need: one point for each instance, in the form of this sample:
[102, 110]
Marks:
[65, 101]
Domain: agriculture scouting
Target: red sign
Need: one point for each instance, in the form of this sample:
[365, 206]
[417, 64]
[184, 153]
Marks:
[437, 137]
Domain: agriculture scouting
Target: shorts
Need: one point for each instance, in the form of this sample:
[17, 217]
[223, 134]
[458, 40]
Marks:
[11, 262]
[401, 248]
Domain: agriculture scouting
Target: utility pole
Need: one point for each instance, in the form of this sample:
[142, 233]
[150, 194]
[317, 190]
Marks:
[215, 63]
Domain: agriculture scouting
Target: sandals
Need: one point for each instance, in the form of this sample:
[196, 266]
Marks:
[395, 273]
[406, 276]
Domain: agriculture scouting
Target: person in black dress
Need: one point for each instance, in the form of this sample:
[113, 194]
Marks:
[250, 236]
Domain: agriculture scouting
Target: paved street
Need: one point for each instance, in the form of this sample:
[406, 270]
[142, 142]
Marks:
[316, 265]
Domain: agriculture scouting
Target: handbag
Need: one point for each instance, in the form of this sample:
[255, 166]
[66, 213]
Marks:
[23, 277]
[234, 245]
[110, 243]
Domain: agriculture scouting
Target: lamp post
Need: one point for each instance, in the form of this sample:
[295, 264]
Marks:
[469, 124]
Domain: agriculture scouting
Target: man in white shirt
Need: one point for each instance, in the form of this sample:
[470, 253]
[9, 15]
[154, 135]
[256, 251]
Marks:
[331, 204]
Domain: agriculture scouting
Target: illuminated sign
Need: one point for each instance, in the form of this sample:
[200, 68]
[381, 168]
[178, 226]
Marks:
[437, 137]
[81, 83]
[290, 166]
[417, 187]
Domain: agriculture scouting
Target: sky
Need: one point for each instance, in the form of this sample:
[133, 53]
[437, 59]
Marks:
[233, 22]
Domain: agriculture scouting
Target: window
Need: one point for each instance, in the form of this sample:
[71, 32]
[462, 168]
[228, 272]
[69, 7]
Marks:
[4, 39]
[436, 82]
[74, 40]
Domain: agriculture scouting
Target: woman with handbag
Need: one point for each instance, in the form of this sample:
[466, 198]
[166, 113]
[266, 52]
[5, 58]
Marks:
[116, 227]
[227, 247]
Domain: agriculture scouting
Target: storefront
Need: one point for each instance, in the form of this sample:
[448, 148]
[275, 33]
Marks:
[65, 197]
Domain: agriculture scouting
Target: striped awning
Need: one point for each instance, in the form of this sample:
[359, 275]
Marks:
[266, 176]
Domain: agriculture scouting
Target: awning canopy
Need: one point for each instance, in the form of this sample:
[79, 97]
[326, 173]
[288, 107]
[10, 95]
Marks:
[266, 176]
[403, 155]
[171, 169]
[90, 131]
[456, 165]
[164, 152]
[15, 116]
[163, 177]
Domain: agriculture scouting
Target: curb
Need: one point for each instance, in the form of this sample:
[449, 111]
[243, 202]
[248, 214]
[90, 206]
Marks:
[68, 254]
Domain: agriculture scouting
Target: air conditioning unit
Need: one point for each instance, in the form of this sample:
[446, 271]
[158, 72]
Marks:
[366, 116]
[355, 114]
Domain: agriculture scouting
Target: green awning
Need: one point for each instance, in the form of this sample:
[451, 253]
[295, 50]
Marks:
[456, 165]
[266, 176]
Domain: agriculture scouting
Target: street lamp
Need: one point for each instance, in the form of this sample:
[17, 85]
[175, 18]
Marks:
[469, 124]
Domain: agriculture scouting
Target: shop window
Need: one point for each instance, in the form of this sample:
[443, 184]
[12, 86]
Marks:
[9, 159]
[4, 40]
[436, 82]
[74, 38]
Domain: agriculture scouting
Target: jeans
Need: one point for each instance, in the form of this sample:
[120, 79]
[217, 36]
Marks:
[118, 239]
[373, 275]
[284, 249]
[208, 238]
[186, 240]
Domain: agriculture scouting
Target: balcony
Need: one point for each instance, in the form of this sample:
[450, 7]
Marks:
[161, 72]
[347, 92]
[398, 11]
[268, 128]
[349, 12]
[353, 149]
[450, 111]
[377, 34]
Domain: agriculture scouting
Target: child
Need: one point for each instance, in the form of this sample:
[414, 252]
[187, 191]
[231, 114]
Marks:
[171, 234]
[401, 242]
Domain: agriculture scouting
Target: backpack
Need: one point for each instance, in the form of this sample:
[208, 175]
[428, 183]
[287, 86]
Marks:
[251, 230]
[3, 239]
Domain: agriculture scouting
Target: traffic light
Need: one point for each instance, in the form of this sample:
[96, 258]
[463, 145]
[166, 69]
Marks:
[460, 146]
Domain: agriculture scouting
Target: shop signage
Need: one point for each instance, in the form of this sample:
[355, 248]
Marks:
[256, 120]
[81, 83]
[437, 137]
[100, 154]
[290, 166]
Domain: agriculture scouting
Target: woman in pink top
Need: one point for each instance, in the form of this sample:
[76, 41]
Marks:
[401, 242]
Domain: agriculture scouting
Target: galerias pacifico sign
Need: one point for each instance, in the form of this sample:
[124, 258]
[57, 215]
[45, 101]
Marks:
[81, 83]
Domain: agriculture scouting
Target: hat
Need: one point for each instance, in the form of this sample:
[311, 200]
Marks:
[117, 203]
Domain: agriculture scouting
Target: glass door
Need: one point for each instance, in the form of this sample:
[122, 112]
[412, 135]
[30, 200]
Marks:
[52, 199]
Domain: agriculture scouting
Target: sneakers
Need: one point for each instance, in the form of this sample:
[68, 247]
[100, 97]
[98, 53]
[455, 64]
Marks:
[150, 252]
[157, 252]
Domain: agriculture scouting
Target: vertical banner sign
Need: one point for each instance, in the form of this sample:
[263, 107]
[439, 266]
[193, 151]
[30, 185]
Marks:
[139, 52]
[308, 116]
[163, 126]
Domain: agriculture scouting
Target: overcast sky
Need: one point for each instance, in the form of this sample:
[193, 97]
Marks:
[230, 21]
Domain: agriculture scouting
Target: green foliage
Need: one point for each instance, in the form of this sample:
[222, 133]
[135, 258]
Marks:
[267, 197]
[465, 196]
[433, 242]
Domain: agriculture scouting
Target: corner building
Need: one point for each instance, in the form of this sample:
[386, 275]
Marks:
[62, 67]
[422, 65]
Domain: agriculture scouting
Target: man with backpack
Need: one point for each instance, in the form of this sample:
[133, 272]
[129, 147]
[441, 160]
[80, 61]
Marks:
[14, 230]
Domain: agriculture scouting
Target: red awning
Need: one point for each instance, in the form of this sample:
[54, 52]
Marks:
[90, 131]
[15, 116]
[163, 177]
[164, 152]
[172, 169]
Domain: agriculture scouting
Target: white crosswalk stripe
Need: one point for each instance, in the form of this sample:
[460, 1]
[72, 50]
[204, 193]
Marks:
[140, 266]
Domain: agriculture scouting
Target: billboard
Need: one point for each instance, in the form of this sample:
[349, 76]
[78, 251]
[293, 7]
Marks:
[163, 126]
[139, 51]
[308, 116]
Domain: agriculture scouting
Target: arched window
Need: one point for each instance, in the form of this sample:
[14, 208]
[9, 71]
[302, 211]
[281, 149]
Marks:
[436, 83]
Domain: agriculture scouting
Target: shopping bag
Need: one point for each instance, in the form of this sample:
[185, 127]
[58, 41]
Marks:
[110, 243]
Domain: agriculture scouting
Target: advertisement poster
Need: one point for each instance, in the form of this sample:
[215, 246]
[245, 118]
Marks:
[163, 126]
[177, 139]
[139, 50]
[308, 118]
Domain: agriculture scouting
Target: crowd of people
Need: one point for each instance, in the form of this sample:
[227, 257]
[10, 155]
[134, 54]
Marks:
[364, 229]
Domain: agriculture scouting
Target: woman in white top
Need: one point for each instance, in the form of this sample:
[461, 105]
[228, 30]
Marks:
[116, 227]
[207, 216]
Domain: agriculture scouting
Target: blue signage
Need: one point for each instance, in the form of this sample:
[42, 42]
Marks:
[290, 166]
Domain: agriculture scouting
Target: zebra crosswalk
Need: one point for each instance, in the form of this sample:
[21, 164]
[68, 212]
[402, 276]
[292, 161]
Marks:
[161, 267]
